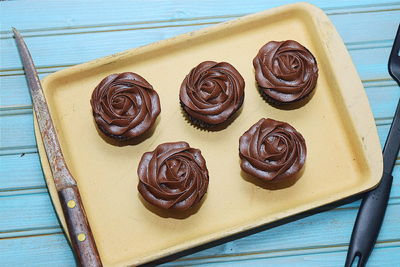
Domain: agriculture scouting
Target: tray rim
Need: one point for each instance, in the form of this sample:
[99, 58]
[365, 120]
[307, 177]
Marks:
[362, 124]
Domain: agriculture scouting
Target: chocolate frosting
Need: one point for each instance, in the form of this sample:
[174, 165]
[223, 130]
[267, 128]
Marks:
[272, 150]
[173, 176]
[212, 92]
[286, 71]
[125, 105]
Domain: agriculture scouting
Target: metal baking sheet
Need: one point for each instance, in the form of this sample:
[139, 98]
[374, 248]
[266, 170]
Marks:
[344, 154]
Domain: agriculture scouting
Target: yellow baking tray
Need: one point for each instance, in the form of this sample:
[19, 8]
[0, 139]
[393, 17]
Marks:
[344, 154]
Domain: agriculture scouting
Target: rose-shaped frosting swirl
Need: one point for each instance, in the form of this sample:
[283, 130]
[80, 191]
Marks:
[125, 105]
[173, 176]
[286, 71]
[272, 150]
[212, 92]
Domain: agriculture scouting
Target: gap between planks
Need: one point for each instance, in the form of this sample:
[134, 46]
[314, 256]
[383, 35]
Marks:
[31, 232]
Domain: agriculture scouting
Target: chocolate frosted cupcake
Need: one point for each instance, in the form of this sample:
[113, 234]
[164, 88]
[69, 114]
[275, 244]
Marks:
[211, 93]
[286, 72]
[124, 105]
[174, 176]
[272, 151]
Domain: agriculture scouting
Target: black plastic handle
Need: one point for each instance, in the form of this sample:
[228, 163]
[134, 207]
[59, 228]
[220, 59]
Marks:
[369, 221]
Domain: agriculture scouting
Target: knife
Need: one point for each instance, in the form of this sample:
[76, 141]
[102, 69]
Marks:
[373, 206]
[82, 240]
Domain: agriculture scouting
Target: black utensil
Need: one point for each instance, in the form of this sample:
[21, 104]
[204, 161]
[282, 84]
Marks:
[373, 206]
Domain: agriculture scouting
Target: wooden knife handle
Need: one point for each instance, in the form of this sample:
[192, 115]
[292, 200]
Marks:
[78, 227]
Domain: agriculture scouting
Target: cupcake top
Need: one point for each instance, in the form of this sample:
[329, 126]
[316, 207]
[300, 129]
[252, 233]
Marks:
[272, 151]
[173, 176]
[212, 92]
[124, 105]
[286, 71]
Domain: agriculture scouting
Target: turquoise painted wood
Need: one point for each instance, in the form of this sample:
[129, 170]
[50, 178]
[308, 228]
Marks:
[64, 33]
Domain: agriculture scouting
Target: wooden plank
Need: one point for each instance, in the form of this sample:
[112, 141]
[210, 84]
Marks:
[21, 172]
[383, 131]
[37, 251]
[18, 134]
[66, 49]
[336, 226]
[29, 212]
[13, 88]
[26, 212]
[354, 28]
[34, 211]
[14, 95]
[25, 173]
[53, 251]
[14, 91]
[336, 17]
[383, 255]
[64, 14]
[383, 100]
[371, 65]
[376, 67]
[274, 243]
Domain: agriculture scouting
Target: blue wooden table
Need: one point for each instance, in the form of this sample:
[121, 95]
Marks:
[64, 33]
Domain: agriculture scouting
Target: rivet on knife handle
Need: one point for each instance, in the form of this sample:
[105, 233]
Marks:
[81, 236]
[79, 230]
